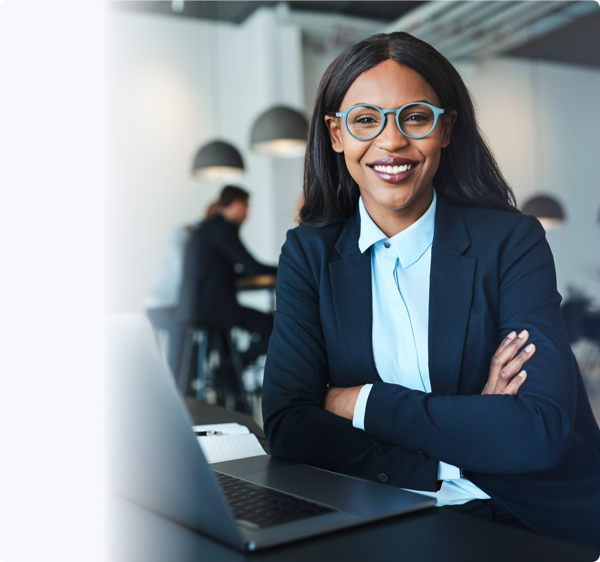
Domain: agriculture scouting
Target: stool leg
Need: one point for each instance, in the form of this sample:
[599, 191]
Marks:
[186, 359]
[238, 369]
[203, 367]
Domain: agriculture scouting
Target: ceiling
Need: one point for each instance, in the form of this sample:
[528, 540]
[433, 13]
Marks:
[574, 43]
[237, 12]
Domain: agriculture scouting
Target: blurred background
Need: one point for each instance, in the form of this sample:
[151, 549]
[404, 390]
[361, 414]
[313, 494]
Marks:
[182, 75]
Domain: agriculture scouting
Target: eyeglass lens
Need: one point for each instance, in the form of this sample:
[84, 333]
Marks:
[414, 120]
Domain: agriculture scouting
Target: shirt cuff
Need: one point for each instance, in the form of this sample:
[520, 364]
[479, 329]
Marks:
[445, 471]
[358, 420]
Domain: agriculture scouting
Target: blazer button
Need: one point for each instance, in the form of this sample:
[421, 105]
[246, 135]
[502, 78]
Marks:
[383, 477]
[421, 454]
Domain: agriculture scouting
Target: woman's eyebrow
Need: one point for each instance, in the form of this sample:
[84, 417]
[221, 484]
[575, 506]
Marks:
[416, 101]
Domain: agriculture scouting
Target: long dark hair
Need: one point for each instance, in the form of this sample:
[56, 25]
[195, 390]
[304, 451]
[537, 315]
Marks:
[467, 174]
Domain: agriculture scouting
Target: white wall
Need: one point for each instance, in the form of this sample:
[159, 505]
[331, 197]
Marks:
[161, 110]
[567, 140]
[565, 136]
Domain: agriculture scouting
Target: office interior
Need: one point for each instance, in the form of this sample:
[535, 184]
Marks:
[102, 111]
[181, 75]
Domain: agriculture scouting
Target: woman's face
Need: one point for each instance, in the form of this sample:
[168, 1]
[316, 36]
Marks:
[391, 85]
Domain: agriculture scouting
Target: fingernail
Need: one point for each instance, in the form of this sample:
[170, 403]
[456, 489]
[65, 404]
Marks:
[511, 335]
[530, 348]
[522, 334]
[523, 374]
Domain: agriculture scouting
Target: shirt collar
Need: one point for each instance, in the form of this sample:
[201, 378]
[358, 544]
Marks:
[410, 244]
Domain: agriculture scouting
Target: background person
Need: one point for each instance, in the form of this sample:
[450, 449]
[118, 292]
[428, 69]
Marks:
[215, 258]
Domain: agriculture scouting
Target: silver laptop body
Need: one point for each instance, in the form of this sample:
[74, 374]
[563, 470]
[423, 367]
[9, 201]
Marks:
[156, 461]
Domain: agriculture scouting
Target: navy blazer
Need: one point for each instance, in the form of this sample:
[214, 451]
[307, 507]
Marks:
[537, 453]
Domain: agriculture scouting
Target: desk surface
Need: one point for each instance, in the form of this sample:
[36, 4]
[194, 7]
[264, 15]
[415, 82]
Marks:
[433, 534]
[256, 283]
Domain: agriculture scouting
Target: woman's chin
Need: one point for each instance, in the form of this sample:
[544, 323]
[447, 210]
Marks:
[395, 202]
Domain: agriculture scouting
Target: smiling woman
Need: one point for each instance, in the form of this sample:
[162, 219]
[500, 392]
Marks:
[371, 146]
[404, 303]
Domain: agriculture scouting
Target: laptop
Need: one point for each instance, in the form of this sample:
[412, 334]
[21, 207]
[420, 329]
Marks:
[249, 504]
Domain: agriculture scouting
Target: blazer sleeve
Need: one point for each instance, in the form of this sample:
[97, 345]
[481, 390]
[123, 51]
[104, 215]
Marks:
[296, 377]
[495, 433]
[228, 243]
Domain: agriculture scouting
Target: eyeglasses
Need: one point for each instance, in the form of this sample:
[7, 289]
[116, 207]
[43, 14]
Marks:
[415, 120]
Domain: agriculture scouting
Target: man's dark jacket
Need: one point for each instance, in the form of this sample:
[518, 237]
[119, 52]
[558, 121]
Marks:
[215, 258]
[536, 453]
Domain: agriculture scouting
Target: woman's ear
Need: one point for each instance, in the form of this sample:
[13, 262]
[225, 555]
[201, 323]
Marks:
[448, 120]
[335, 132]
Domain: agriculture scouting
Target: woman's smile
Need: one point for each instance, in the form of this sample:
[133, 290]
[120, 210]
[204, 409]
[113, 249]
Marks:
[393, 169]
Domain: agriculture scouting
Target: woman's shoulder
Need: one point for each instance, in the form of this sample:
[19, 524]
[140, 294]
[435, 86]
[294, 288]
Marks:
[500, 233]
[499, 223]
[317, 238]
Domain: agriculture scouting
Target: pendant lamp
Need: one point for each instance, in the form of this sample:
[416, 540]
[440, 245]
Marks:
[218, 160]
[280, 132]
[546, 209]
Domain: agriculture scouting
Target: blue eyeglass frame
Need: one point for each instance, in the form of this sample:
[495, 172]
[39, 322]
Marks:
[436, 112]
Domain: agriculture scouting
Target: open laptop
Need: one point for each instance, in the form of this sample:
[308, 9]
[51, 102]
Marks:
[249, 503]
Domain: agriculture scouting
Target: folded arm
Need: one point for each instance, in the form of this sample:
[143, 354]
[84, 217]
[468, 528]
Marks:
[296, 378]
[526, 432]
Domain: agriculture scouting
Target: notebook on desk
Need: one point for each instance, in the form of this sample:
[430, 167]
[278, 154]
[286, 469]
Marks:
[248, 503]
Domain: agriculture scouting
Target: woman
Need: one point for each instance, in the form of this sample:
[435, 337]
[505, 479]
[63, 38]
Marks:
[411, 265]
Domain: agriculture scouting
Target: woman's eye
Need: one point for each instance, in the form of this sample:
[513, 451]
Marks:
[416, 118]
[365, 120]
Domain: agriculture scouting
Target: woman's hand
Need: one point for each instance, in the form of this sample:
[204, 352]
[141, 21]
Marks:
[341, 401]
[506, 374]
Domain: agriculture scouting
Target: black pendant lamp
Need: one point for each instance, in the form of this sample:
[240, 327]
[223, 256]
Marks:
[281, 132]
[546, 209]
[218, 160]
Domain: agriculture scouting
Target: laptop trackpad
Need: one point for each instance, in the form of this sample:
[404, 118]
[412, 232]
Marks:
[348, 494]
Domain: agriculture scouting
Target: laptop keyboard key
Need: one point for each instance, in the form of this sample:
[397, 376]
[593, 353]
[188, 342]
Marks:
[256, 507]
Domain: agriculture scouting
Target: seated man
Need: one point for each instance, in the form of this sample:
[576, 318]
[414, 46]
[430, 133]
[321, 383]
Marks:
[215, 258]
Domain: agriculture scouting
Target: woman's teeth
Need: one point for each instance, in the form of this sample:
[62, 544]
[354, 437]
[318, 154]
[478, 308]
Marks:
[393, 169]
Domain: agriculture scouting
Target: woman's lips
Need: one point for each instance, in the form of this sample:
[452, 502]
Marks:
[395, 178]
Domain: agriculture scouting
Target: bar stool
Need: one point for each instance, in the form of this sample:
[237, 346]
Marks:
[208, 340]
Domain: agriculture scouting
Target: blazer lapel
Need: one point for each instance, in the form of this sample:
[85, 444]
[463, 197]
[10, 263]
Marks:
[352, 299]
[450, 295]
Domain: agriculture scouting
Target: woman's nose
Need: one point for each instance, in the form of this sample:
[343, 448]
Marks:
[391, 138]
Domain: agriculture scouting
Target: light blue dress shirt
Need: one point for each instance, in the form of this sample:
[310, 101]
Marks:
[400, 268]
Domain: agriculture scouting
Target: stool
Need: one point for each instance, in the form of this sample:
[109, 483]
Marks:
[210, 338]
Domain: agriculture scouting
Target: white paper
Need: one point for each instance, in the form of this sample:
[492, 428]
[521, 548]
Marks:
[226, 428]
[219, 448]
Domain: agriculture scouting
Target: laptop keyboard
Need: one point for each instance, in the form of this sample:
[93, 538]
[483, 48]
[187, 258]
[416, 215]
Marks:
[257, 507]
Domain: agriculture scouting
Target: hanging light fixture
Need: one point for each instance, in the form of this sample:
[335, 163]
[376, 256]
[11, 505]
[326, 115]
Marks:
[280, 132]
[546, 209]
[216, 160]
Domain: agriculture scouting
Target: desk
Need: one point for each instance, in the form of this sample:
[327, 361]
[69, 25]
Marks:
[203, 414]
[257, 283]
[430, 535]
